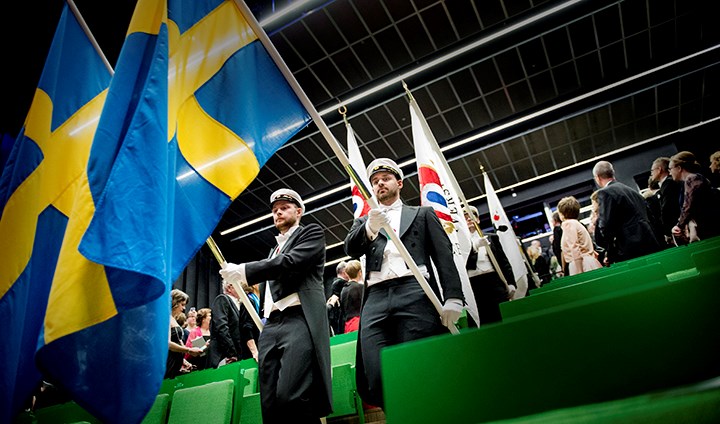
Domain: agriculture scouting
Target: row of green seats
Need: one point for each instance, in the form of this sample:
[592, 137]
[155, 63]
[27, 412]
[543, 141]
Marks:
[346, 400]
[669, 265]
[607, 347]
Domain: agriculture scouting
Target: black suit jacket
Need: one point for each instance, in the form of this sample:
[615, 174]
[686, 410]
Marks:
[623, 228]
[669, 197]
[230, 329]
[298, 268]
[423, 236]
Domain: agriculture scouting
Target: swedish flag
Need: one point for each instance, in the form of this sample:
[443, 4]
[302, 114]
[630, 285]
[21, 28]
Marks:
[43, 193]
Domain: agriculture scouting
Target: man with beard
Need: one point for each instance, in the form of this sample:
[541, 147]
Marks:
[395, 308]
[294, 346]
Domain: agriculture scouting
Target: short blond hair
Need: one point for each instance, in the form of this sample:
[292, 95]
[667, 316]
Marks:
[353, 268]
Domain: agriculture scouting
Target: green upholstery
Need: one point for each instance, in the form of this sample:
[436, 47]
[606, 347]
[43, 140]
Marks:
[159, 411]
[69, 412]
[210, 403]
[232, 372]
[695, 407]
[346, 400]
[613, 346]
[622, 279]
[251, 412]
[343, 353]
[250, 375]
[344, 338]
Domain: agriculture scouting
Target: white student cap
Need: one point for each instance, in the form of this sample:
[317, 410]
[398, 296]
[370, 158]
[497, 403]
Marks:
[386, 165]
[287, 195]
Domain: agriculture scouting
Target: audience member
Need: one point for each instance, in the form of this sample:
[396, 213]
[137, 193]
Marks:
[352, 295]
[654, 207]
[539, 262]
[333, 304]
[594, 211]
[176, 347]
[577, 245]
[623, 228]
[714, 176]
[294, 361]
[556, 245]
[191, 322]
[396, 309]
[202, 332]
[181, 319]
[231, 329]
[669, 196]
[698, 219]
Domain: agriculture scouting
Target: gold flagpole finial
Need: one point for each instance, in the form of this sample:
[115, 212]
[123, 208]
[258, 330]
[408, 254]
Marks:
[342, 110]
[482, 169]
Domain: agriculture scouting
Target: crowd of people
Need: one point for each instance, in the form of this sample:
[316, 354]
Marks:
[378, 294]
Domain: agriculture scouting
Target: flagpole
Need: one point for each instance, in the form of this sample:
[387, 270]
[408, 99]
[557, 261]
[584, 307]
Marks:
[89, 34]
[243, 296]
[453, 181]
[335, 146]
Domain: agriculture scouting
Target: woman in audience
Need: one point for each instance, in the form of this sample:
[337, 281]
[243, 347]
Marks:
[698, 214]
[577, 245]
[202, 331]
[351, 295]
[177, 349]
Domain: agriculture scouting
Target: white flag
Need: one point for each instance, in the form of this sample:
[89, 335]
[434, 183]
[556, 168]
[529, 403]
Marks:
[360, 205]
[437, 191]
[507, 239]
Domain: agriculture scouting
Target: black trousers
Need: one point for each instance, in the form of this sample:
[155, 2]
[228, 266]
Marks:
[490, 292]
[394, 312]
[289, 376]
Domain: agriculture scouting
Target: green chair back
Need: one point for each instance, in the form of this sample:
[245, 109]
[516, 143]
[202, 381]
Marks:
[210, 403]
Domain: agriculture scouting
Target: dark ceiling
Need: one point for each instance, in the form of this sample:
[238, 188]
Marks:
[530, 89]
[525, 88]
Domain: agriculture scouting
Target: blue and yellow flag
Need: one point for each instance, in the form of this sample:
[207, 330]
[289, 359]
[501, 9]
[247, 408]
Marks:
[43, 193]
[195, 108]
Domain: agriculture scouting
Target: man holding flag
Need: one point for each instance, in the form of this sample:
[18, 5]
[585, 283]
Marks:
[395, 308]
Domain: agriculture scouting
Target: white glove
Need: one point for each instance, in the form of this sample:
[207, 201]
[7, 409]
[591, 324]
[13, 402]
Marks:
[233, 273]
[376, 220]
[451, 311]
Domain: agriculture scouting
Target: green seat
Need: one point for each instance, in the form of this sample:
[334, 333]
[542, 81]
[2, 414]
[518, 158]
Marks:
[697, 407]
[251, 412]
[250, 376]
[647, 338]
[69, 412]
[343, 353]
[344, 338]
[346, 400]
[625, 278]
[210, 403]
[159, 411]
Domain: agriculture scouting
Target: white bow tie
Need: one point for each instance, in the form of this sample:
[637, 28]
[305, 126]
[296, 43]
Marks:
[393, 207]
[281, 238]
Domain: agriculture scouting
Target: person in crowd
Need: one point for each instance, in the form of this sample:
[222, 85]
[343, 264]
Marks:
[254, 295]
[395, 307]
[176, 347]
[714, 176]
[201, 331]
[669, 196]
[181, 319]
[191, 322]
[577, 245]
[557, 236]
[334, 305]
[294, 360]
[654, 207]
[352, 295]
[698, 216]
[623, 229]
[231, 329]
[594, 212]
[539, 261]
[488, 287]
